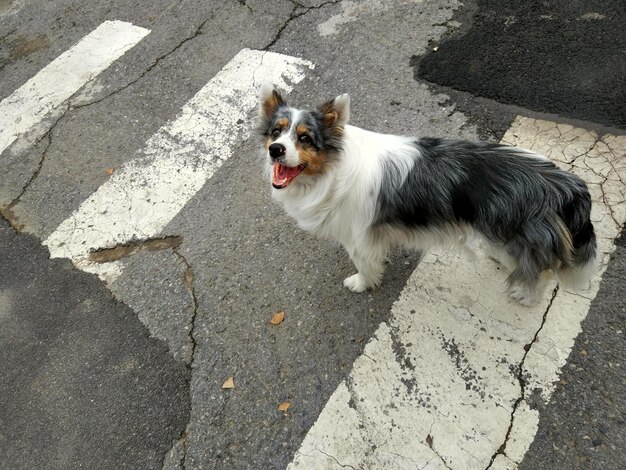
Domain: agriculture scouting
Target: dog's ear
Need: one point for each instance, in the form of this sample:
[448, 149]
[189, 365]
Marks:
[336, 112]
[270, 100]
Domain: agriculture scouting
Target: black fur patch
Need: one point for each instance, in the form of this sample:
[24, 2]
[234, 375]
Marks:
[267, 123]
[506, 194]
[316, 131]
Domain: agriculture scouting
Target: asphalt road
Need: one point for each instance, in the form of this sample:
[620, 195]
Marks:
[558, 57]
[83, 384]
[128, 371]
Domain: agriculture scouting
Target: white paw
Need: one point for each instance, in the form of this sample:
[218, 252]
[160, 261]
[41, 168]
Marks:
[522, 296]
[356, 283]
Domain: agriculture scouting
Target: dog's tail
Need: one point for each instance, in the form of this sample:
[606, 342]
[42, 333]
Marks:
[577, 240]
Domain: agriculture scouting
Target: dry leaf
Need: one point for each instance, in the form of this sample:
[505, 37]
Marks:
[284, 406]
[277, 318]
[109, 171]
[230, 383]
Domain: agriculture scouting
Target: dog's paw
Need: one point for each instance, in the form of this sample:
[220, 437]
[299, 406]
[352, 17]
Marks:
[522, 296]
[356, 283]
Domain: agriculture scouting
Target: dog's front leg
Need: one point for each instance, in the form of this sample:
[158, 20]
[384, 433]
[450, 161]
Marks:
[370, 264]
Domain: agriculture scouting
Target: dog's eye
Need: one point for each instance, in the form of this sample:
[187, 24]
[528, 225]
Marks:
[275, 132]
[305, 139]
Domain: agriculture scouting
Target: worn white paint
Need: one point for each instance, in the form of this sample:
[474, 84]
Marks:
[64, 76]
[143, 196]
[351, 11]
[436, 386]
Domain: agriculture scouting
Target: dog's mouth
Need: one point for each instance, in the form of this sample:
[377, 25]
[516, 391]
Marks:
[283, 175]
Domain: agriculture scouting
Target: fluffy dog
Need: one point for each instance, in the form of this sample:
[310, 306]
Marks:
[372, 191]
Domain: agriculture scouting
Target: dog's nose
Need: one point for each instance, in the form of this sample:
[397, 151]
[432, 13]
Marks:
[277, 150]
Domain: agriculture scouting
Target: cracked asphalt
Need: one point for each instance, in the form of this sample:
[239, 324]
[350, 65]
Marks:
[129, 373]
[522, 381]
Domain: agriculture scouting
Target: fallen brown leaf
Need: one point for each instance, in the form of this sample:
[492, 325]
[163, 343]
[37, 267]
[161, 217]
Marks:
[277, 318]
[230, 383]
[109, 171]
[284, 406]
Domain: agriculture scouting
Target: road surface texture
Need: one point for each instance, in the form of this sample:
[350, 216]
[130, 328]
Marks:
[142, 258]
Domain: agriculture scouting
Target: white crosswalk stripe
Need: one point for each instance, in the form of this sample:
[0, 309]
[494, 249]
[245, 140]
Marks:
[439, 385]
[147, 193]
[64, 76]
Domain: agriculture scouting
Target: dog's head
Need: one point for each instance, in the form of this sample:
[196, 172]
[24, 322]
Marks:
[298, 141]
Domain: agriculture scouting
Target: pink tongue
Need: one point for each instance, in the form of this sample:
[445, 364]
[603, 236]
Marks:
[284, 174]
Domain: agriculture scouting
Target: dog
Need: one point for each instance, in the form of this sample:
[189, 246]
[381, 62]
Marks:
[372, 191]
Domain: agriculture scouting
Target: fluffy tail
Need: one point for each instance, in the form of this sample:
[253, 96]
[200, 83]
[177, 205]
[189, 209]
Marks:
[575, 225]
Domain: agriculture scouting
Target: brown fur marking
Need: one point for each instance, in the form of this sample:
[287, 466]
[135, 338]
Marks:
[271, 103]
[315, 160]
[331, 115]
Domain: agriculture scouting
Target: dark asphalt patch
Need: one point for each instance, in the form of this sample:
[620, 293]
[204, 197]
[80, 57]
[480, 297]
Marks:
[81, 383]
[562, 57]
[584, 426]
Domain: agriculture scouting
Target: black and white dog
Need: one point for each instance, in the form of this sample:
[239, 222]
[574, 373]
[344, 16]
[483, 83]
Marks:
[371, 191]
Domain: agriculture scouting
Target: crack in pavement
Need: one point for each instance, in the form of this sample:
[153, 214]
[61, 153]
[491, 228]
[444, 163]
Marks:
[254, 79]
[293, 15]
[7, 211]
[522, 381]
[189, 284]
[335, 459]
[426, 464]
[124, 250]
[197, 32]
[573, 163]
[39, 165]
[430, 442]
[4, 217]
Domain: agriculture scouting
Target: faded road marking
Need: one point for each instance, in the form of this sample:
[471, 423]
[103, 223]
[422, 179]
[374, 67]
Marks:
[64, 76]
[141, 198]
[350, 11]
[452, 379]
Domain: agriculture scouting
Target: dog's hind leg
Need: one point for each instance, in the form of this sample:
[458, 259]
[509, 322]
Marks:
[529, 293]
[369, 260]
[528, 281]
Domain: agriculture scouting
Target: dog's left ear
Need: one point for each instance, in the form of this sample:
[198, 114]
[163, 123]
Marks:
[336, 112]
[269, 101]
